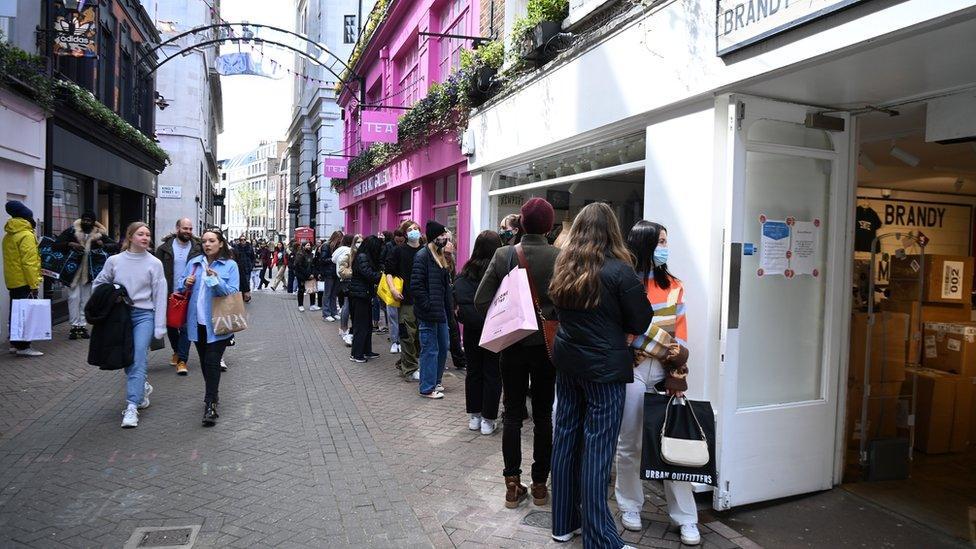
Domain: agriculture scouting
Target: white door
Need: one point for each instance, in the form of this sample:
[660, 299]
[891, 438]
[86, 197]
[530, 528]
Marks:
[781, 334]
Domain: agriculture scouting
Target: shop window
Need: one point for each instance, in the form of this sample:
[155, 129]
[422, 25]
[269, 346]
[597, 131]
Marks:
[445, 202]
[405, 201]
[349, 29]
[106, 67]
[408, 71]
[67, 202]
[788, 133]
[453, 20]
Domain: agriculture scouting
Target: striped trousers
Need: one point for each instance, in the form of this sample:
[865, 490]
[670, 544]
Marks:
[585, 434]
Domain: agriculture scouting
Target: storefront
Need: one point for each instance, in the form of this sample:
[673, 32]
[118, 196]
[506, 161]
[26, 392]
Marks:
[743, 149]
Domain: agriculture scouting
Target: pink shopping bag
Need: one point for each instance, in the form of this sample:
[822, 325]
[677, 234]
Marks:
[511, 317]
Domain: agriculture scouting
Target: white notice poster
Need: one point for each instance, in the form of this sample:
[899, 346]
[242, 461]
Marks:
[805, 248]
[774, 248]
[952, 279]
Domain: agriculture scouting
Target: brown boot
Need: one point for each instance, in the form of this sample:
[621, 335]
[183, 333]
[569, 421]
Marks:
[540, 494]
[516, 492]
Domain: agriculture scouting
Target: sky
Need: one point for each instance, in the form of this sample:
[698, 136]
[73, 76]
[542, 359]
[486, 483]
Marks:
[256, 108]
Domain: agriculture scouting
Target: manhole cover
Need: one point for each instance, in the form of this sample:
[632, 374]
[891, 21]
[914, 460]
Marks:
[538, 519]
[165, 538]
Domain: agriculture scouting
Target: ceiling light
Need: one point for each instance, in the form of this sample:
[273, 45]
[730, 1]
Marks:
[865, 161]
[904, 156]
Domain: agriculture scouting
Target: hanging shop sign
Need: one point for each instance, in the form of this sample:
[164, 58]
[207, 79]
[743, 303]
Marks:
[379, 127]
[335, 168]
[740, 23]
[243, 63]
[76, 31]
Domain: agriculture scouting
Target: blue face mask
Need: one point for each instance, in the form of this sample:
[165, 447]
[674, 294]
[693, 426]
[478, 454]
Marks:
[413, 236]
[660, 256]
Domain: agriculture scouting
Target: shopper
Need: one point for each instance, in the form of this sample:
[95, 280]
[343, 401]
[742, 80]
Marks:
[21, 264]
[453, 330]
[393, 311]
[279, 262]
[244, 256]
[84, 237]
[174, 253]
[648, 242]
[305, 275]
[431, 288]
[292, 278]
[527, 361]
[329, 277]
[483, 384]
[264, 256]
[362, 289]
[141, 274]
[213, 274]
[599, 300]
[399, 264]
[342, 258]
[510, 229]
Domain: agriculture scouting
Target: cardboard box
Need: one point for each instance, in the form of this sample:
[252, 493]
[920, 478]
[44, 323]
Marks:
[882, 411]
[889, 343]
[929, 312]
[948, 279]
[962, 417]
[944, 411]
[950, 347]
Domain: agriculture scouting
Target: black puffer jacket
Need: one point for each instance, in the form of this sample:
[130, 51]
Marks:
[592, 344]
[365, 277]
[303, 266]
[469, 315]
[325, 268]
[108, 310]
[431, 288]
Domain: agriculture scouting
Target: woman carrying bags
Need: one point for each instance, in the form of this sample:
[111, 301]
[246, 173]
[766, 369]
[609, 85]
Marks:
[141, 273]
[362, 289]
[305, 275]
[213, 274]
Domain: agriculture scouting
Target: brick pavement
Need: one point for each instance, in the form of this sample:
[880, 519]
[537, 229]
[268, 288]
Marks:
[311, 451]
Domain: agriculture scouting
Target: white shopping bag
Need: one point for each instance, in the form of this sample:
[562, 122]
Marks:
[30, 319]
[511, 316]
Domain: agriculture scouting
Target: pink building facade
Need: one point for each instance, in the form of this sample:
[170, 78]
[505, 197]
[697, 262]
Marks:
[399, 66]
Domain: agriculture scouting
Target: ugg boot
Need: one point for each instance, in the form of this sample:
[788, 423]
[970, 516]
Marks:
[540, 493]
[516, 492]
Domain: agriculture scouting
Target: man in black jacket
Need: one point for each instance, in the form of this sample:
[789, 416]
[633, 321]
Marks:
[244, 256]
[175, 252]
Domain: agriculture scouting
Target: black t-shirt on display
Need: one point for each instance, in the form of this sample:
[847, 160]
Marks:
[867, 225]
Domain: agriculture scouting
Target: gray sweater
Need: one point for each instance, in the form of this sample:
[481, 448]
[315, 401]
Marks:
[142, 276]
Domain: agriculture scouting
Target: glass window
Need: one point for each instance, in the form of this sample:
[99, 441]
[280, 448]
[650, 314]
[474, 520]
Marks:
[408, 69]
[451, 189]
[349, 29]
[453, 20]
[405, 200]
[789, 133]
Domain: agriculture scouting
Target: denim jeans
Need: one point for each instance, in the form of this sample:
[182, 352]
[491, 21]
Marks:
[143, 324]
[393, 321]
[330, 306]
[435, 341]
[179, 342]
[344, 316]
[376, 311]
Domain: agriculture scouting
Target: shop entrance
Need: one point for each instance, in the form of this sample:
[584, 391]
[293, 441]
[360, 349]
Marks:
[923, 341]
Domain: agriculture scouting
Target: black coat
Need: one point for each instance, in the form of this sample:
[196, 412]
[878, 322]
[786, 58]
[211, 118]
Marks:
[431, 288]
[324, 267]
[303, 266]
[592, 344]
[166, 255]
[465, 289]
[365, 277]
[109, 311]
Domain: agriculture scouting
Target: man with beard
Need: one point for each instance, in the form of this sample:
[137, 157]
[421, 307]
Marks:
[89, 239]
[175, 251]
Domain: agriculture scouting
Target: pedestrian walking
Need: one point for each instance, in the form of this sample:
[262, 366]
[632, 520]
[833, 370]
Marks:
[329, 278]
[279, 262]
[84, 237]
[458, 358]
[176, 250]
[393, 311]
[483, 384]
[245, 257]
[399, 264]
[599, 300]
[305, 275]
[648, 242]
[21, 264]
[342, 258]
[527, 361]
[431, 289]
[213, 274]
[142, 276]
[362, 289]
[292, 278]
[264, 256]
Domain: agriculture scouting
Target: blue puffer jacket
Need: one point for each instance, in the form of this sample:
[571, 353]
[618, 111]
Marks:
[431, 288]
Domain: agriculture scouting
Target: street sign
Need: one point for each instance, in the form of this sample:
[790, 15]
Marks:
[294, 207]
[170, 191]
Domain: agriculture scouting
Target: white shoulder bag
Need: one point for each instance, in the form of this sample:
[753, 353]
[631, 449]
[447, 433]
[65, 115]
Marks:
[680, 451]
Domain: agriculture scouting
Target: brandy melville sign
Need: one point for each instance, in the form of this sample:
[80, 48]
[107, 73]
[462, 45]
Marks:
[379, 127]
[335, 168]
[743, 22]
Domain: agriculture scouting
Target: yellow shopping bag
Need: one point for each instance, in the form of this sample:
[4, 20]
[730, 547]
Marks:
[384, 293]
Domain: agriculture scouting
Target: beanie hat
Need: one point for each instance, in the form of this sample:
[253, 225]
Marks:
[537, 216]
[16, 208]
[89, 215]
[434, 229]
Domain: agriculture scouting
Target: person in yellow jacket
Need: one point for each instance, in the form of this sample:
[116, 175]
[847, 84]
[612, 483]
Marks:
[21, 263]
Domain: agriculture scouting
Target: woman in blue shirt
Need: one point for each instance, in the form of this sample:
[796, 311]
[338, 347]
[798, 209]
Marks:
[210, 275]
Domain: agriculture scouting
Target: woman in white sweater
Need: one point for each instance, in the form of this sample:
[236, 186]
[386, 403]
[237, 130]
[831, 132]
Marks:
[142, 276]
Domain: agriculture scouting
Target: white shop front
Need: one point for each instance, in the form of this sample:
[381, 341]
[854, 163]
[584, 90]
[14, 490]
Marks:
[730, 140]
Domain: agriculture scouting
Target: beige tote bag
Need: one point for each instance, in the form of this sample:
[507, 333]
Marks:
[228, 314]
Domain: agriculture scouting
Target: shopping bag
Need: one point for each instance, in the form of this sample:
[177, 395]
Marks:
[321, 285]
[228, 314]
[176, 306]
[311, 286]
[681, 425]
[30, 319]
[56, 262]
[386, 294]
[512, 315]
[96, 262]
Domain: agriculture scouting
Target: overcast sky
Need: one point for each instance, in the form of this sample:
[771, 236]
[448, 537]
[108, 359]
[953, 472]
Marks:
[256, 108]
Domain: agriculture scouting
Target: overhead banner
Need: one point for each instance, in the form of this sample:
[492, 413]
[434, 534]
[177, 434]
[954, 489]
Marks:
[379, 127]
[335, 168]
[243, 63]
[76, 31]
[740, 23]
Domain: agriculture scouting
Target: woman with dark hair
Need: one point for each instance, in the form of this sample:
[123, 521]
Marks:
[483, 384]
[329, 278]
[510, 229]
[220, 278]
[341, 257]
[305, 275]
[362, 289]
[600, 300]
[279, 263]
[648, 242]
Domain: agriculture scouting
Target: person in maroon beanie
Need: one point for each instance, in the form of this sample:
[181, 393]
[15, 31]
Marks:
[526, 361]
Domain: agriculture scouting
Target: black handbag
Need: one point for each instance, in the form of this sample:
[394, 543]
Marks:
[677, 419]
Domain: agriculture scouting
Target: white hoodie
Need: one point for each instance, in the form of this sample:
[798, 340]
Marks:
[341, 259]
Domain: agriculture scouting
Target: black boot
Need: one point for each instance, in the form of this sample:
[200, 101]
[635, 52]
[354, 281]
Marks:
[83, 333]
[209, 415]
[74, 333]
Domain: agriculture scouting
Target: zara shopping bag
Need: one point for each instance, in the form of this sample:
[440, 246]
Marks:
[228, 314]
[679, 435]
[30, 319]
[512, 315]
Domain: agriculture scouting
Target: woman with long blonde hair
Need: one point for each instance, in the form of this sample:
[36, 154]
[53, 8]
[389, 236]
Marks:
[599, 300]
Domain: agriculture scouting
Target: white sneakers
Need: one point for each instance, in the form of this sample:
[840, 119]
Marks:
[474, 422]
[330, 319]
[690, 534]
[315, 308]
[130, 417]
[145, 398]
[395, 348]
[567, 537]
[301, 308]
[223, 365]
[488, 426]
[28, 352]
[439, 388]
[415, 376]
[632, 521]
[347, 339]
[433, 394]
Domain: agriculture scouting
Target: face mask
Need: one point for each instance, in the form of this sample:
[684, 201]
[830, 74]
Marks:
[660, 256]
[507, 235]
[413, 236]
[440, 244]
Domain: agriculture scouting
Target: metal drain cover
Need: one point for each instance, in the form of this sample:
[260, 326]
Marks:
[538, 519]
[163, 537]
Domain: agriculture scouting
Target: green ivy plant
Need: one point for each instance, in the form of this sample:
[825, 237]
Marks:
[490, 54]
[16, 65]
[536, 12]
